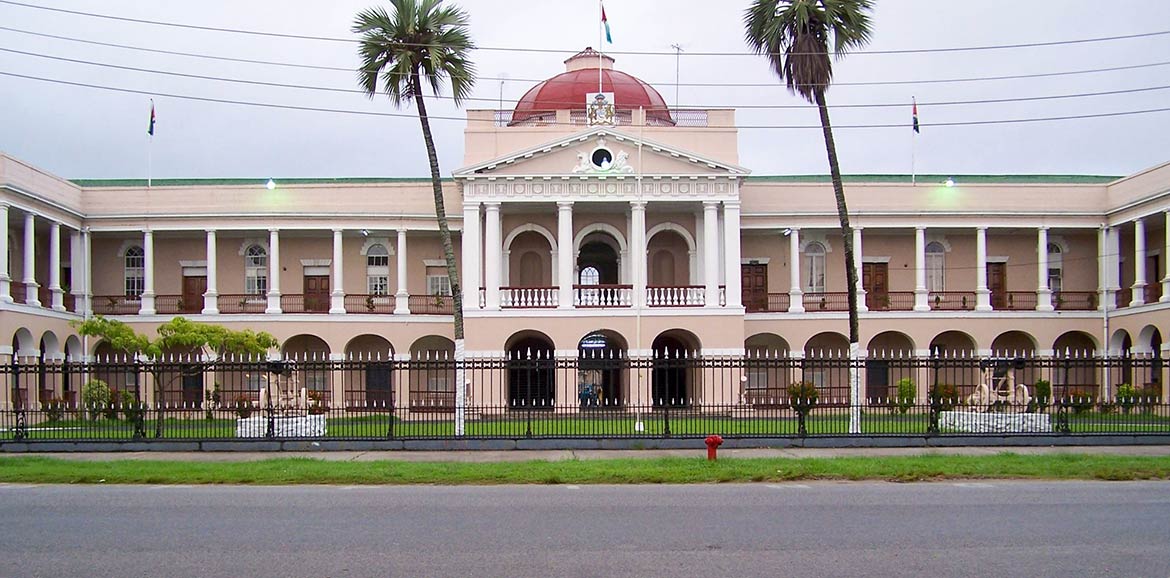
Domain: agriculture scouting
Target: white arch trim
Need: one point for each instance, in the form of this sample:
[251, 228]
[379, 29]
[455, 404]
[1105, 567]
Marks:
[254, 241]
[126, 245]
[606, 228]
[681, 230]
[383, 241]
[1142, 343]
[529, 227]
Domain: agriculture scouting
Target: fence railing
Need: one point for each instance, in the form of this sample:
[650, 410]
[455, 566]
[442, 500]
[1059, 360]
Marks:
[600, 393]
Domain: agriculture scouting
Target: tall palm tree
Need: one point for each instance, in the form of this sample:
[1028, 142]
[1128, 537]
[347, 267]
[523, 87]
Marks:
[795, 36]
[421, 44]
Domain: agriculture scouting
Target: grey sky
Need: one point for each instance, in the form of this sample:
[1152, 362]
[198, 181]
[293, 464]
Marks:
[86, 133]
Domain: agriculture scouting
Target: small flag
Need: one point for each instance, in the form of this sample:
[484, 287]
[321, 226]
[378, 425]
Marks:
[150, 130]
[915, 113]
[605, 22]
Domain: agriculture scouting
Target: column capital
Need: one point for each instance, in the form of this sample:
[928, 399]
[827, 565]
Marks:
[492, 205]
[564, 205]
[981, 228]
[209, 230]
[148, 232]
[273, 229]
[731, 205]
[638, 205]
[919, 228]
[1042, 228]
[401, 230]
[338, 230]
[710, 205]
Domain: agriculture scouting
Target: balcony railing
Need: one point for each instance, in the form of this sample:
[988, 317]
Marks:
[769, 302]
[676, 296]
[1075, 300]
[832, 301]
[1014, 301]
[594, 296]
[890, 301]
[528, 297]
[1154, 291]
[371, 304]
[241, 303]
[175, 304]
[951, 300]
[431, 305]
[301, 303]
[116, 305]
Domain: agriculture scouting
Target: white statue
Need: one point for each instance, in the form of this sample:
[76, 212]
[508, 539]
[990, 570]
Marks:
[622, 163]
[999, 388]
[583, 164]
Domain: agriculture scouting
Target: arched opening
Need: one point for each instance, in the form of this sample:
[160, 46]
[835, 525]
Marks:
[767, 370]
[370, 375]
[432, 374]
[1148, 349]
[674, 374]
[601, 369]
[530, 261]
[889, 361]
[826, 366]
[1075, 370]
[531, 371]
[668, 253]
[72, 379]
[309, 358]
[954, 361]
[49, 383]
[1015, 345]
[601, 252]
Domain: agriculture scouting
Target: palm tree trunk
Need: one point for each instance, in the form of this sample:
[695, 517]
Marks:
[850, 267]
[440, 209]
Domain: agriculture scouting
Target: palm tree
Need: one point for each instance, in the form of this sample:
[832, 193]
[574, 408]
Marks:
[795, 36]
[422, 43]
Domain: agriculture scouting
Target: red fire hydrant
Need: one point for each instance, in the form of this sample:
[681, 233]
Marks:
[713, 443]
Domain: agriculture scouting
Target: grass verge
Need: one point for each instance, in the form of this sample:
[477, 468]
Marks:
[287, 471]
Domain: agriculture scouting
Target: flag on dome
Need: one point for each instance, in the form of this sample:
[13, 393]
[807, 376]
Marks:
[914, 112]
[150, 130]
[605, 23]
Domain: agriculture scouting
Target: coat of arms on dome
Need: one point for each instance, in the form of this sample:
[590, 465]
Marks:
[599, 108]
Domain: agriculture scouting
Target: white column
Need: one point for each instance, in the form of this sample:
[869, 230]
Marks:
[565, 253]
[1166, 260]
[732, 278]
[470, 245]
[402, 295]
[5, 279]
[711, 252]
[857, 266]
[1102, 268]
[273, 271]
[147, 307]
[337, 296]
[76, 271]
[31, 296]
[638, 251]
[699, 257]
[795, 294]
[982, 294]
[1043, 291]
[493, 245]
[1114, 265]
[921, 301]
[57, 297]
[211, 296]
[87, 276]
[1139, 264]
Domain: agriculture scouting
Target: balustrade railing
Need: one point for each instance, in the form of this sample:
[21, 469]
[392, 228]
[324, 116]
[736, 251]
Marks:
[529, 297]
[676, 296]
[831, 301]
[591, 296]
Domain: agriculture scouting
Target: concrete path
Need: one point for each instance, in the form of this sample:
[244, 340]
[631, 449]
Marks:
[558, 455]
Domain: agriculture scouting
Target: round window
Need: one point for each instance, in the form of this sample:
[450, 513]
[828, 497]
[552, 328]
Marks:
[602, 158]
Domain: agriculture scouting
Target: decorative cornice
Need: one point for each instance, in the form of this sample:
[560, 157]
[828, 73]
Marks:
[593, 188]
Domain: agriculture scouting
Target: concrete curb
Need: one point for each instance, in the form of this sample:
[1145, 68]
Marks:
[311, 445]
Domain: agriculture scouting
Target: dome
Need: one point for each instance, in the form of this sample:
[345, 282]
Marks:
[567, 91]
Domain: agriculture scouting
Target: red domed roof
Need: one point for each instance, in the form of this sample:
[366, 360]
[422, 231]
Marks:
[569, 89]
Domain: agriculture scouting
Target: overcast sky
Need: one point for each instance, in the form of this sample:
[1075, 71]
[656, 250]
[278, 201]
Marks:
[88, 133]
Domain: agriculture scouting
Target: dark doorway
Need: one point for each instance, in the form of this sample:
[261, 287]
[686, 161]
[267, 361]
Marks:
[1153, 279]
[671, 372]
[193, 290]
[877, 380]
[531, 373]
[997, 284]
[601, 365]
[192, 380]
[316, 293]
[602, 257]
[755, 286]
[378, 385]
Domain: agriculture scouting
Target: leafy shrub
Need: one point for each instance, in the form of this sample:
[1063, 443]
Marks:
[132, 409]
[1041, 396]
[1081, 402]
[212, 397]
[243, 406]
[96, 397]
[1106, 407]
[944, 396]
[907, 391]
[802, 396]
[1127, 397]
[54, 409]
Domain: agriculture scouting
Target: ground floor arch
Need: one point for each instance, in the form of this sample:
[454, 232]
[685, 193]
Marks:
[306, 361]
[369, 381]
[602, 369]
[432, 374]
[768, 370]
[531, 371]
[674, 375]
[889, 363]
[825, 366]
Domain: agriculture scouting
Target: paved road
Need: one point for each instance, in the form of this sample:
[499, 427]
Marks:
[817, 529]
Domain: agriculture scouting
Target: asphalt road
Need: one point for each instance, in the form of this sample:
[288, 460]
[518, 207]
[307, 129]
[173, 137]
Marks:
[816, 529]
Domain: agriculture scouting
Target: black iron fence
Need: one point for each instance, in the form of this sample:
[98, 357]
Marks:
[590, 396]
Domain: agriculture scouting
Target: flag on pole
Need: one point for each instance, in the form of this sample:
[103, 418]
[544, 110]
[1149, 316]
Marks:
[605, 23]
[915, 116]
[150, 130]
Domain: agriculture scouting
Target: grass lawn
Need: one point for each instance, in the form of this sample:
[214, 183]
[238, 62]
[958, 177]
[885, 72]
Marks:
[282, 471]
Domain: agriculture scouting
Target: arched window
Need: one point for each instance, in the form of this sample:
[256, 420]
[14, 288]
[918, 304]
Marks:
[135, 272]
[590, 276]
[814, 266]
[256, 270]
[378, 270]
[936, 259]
[1055, 267]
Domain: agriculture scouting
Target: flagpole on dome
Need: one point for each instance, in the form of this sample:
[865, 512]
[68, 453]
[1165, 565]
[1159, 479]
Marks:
[600, 31]
[150, 145]
[913, 140]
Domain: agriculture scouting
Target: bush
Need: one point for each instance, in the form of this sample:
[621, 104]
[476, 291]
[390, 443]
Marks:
[1041, 396]
[944, 396]
[1127, 397]
[132, 409]
[802, 396]
[907, 391]
[212, 398]
[1081, 402]
[54, 409]
[243, 406]
[96, 397]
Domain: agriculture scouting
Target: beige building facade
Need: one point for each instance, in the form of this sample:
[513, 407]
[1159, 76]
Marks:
[623, 226]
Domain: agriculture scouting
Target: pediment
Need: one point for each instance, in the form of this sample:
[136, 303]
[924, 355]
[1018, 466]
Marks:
[617, 152]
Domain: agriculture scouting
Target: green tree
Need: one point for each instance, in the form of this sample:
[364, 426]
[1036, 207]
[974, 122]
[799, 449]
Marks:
[796, 36]
[423, 43]
[178, 333]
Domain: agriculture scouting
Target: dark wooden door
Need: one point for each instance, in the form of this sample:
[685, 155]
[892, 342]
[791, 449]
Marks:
[875, 279]
[316, 293]
[193, 290]
[755, 287]
[1153, 280]
[997, 284]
